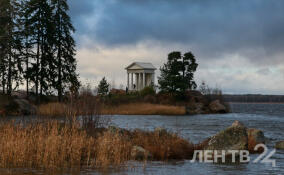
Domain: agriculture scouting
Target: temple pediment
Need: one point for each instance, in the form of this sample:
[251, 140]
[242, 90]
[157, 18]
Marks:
[140, 66]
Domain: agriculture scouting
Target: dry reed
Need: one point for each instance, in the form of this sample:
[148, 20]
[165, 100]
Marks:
[57, 145]
[143, 109]
[52, 109]
[46, 145]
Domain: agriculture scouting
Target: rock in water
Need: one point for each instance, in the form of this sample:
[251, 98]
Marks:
[280, 145]
[195, 108]
[237, 124]
[139, 153]
[233, 138]
[255, 137]
[217, 107]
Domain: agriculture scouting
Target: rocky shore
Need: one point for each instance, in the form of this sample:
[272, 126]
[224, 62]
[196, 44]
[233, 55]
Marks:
[120, 104]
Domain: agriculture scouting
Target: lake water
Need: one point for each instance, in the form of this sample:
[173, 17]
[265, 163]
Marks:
[267, 117]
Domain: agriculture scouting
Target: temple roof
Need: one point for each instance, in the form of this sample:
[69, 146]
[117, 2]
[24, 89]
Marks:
[140, 65]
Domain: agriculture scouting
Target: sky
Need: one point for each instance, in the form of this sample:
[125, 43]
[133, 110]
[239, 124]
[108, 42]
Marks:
[238, 44]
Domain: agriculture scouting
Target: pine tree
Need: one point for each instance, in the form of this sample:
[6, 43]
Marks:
[177, 75]
[103, 87]
[3, 44]
[41, 34]
[10, 41]
[27, 51]
[65, 48]
[189, 68]
[36, 44]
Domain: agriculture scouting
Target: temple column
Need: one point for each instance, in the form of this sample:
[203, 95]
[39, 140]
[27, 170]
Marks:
[139, 74]
[144, 80]
[127, 80]
[131, 81]
[137, 81]
[153, 79]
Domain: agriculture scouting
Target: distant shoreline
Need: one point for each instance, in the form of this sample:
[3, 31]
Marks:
[256, 102]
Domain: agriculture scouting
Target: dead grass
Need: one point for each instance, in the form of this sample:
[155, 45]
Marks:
[46, 145]
[113, 149]
[143, 109]
[55, 145]
[52, 109]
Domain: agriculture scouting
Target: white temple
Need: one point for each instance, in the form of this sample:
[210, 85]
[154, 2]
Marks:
[140, 75]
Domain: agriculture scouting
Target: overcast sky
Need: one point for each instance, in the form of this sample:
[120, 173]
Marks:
[239, 44]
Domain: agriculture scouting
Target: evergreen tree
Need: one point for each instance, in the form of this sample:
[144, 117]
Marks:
[189, 67]
[65, 49]
[36, 44]
[177, 75]
[103, 87]
[4, 18]
[10, 45]
[41, 34]
[27, 51]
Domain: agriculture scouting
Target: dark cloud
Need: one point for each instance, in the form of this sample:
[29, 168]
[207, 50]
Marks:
[80, 7]
[211, 28]
[79, 10]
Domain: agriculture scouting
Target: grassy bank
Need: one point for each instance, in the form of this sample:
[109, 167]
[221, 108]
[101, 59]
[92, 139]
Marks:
[143, 109]
[56, 145]
[60, 109]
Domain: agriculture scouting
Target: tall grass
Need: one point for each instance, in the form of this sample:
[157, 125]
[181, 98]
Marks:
[52, 109]
[84, 106]
[113, 149]
[47, 145]
[57, 145]
[143, 109]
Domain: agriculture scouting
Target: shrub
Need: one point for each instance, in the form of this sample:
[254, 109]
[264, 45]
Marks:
[166, 98]
[149, 90]
[150, 99]
[212, 94]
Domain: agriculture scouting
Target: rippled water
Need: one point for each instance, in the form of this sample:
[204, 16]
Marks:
[267, 117]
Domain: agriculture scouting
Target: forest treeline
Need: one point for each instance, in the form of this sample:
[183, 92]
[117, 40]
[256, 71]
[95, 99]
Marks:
[36, 47]
[254, 98]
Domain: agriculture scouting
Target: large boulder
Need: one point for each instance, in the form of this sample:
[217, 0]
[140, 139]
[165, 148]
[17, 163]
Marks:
[24, 107]
[233, 138]
[139, 153]
[217, 107]
[255, 137]
[195, 108]
[280, 145]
